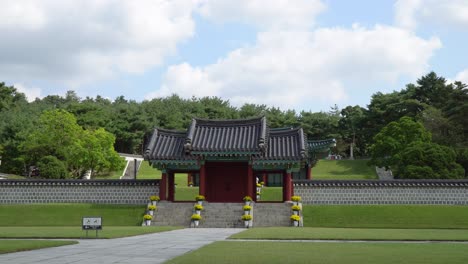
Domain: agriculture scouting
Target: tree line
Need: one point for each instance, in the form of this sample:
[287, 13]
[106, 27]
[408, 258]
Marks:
[440, 107]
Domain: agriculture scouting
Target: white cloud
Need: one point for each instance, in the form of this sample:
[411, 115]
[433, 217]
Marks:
[289, 69]
[81, 41]
[448, 13]
[265, 14]
[31, 92]
[462, 76]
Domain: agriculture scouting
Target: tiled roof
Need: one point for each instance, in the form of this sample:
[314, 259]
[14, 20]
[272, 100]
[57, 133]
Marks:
[166, 145]
[319, 145]
[286, 143]
[241, 136]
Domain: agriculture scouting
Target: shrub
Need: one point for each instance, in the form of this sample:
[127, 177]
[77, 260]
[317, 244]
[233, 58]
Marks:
[52, 168]
[247, 217]
[296, 208]
[295, 218]
[199, 198]
[151, 207]
[247, 207]
[296, 198]
[198, 207]
[147, 217]
[154, 198]
[259, 185]
[196, 217]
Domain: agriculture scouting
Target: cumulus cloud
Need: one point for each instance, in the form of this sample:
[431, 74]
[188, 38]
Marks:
[81, 41]
[449, 13]
[31, 92]
[288, 69]
[462, 76]
[265, 14]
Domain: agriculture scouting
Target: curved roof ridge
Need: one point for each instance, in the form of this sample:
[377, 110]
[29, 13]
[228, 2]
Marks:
[283, 130]
[206, 121]
[172, 131]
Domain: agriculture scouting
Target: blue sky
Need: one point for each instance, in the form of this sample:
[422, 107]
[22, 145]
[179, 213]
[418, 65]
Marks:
[298, 54]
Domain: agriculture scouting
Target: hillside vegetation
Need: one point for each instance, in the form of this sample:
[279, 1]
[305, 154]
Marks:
[343, 170]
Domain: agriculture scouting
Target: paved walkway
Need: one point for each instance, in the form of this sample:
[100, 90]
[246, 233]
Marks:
[152, 248]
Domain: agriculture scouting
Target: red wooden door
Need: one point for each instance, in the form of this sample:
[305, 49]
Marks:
[226, 181]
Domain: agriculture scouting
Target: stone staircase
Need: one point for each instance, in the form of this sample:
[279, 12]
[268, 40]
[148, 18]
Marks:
[129, 173]
[271, 214]
[173, 214]
[222, 215]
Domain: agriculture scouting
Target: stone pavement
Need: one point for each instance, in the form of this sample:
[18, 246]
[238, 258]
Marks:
[151, 248]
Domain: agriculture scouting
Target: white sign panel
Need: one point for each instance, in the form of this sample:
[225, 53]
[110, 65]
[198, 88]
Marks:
[92, 223]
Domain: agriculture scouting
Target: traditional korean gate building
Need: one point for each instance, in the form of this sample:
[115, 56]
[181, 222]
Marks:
[227, 156]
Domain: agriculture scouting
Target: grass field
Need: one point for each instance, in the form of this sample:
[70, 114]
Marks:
[309, 233]
[386, 216]
[76, 232]
[69, 214]
[8, 246]
[270, 194]
[324, 253]
[343, 170]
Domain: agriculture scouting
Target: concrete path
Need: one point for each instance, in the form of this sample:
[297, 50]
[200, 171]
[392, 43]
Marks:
[152, 248]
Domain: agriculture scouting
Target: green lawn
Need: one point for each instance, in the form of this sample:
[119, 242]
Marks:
[76, 232]
[69, 214]
[324, 253]
[308, 233]
[272, 194]
[386, 216]
[343, 170]
[8, 246]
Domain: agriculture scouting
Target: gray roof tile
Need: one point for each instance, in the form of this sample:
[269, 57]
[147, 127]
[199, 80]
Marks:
[242, 137]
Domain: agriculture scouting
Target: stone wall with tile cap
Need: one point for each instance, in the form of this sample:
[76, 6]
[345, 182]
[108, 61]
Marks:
[362, 192]
[77, 191]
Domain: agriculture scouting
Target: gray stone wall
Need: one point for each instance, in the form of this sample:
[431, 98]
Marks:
[77, 191]
[435, 192]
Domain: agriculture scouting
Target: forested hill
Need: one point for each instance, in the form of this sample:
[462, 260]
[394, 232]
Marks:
[441, 107]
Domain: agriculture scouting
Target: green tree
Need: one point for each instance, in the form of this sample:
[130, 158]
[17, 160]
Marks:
[426, 160]
[52, 168]
[350, 124]
[394, 138]
[58, 135]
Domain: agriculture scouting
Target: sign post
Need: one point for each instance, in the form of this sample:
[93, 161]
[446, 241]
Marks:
[92, 223]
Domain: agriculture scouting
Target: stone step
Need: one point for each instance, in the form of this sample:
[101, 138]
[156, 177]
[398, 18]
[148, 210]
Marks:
[222, 215]
[174, 214]
[272, 214]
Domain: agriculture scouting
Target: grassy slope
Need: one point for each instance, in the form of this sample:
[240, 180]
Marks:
[343, 170]
[8, 246]
[386, 216]
[291, 252]
[69, 214]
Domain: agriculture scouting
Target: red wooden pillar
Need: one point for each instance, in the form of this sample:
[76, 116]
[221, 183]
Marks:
[287, 186]
[163, 186]
[308, 172]
[171, 186]
[265, 179]
[251, 189]
[202, 189]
